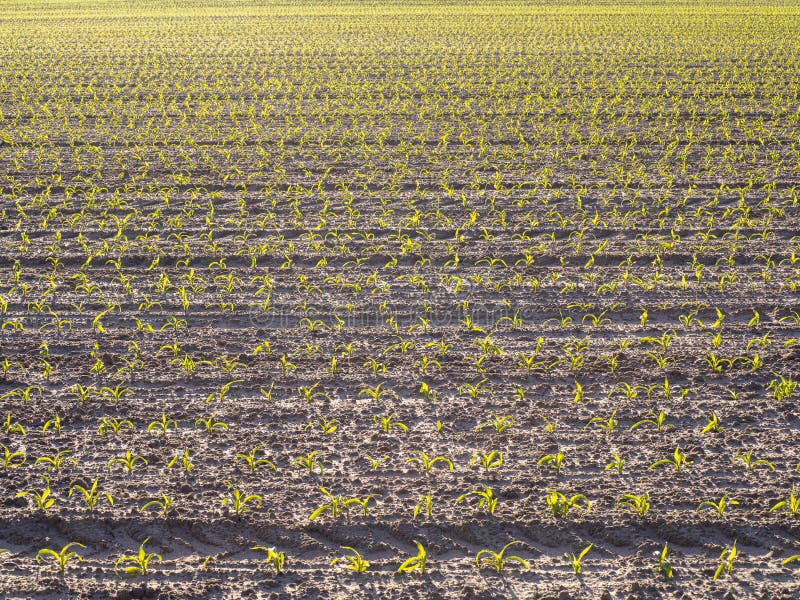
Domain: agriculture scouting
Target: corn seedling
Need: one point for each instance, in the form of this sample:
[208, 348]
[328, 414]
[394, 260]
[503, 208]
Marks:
[792, 558]
[11, 427]
[274, 558]
[116, 393]
[128, 461]
[487, 460]
[114, 425]
[375, 463]
[252, 461]
[240, 501]
[221, 395]
[24, 394]
[12, 460]
[616, 464]
[578, 394]
[576, 562]
[678, 460]
[165, 505]
[91, 495]
[362, 502]
[663, 567]
[425, 505]
[498, 423]
[712, 424]
[53, 425]
[336, 505]
[486, 499]
[791, 504]
[386, 423]
[427, 463]
[56, 461]
[726, 559]
[83, 393]
[782, 387]
[497, 560]
[608, 425]
[43, 499]
[656, 420]
[378, 393]
[137, 564]
[639, 505]
[184, 461]
[553, 461]
[415, 563]
[211, 425]
[327, 426]
[352, 561]
[162, 424]
[560, 505]
[751, 463]
[61, 557]
[309, 462]
[720, 506]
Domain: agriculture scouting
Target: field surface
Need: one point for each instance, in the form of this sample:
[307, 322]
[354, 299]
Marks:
[283, 282]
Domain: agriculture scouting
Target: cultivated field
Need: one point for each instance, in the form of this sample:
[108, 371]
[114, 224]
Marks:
[292, 293]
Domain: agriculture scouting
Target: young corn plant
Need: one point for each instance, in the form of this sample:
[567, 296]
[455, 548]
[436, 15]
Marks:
[239, 501]
[415, 563]
[62, 557]
[498, 423]
[726, 559]
[43, 499]
[663, 566]
[162, 425]
[114, 425]
[91, 496]
[336, 505]
[792, 558]
[252, 461]
[386, 423]
[488, 460]
[274, 558]
[128, 461]
[553, 461]
[576, 562]
[56, 461]
[485, 497]
[639, 505]
[679, 460]
[560, 505]
[719, 506]
[616, 464]
[791, 504]
[211, 425]
[712, 424]
[165, 505]
[375, 463]
[608, 425]
[12, 427]
[751, 463]
[497, 560]
[655, 420]
[427, 463]
[424, 505]
[309, 462]
[137, 564]
[352, 561]
[782, 387]
[184, 460]
[327, 426]
[12, 460]
[53, 425]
